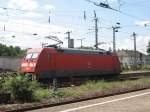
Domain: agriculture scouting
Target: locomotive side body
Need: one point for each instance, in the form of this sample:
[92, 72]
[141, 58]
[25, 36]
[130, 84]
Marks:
[83, 63]
[52, 62]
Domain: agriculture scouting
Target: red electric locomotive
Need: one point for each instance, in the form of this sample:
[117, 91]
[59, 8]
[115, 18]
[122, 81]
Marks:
[58, 62]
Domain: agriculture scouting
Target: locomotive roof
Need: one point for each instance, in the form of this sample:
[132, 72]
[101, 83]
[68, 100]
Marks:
[34, 50]
[82, 51]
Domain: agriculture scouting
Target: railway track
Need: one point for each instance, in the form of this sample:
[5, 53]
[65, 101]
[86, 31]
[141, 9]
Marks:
[135, 74]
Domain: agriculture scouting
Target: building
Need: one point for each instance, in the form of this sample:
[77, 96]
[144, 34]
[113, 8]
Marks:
[126, 58]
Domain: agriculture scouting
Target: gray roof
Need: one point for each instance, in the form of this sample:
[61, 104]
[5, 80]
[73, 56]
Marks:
[83, 51]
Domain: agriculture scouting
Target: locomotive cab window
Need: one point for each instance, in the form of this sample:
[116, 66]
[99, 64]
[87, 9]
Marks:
[28, 56]
[34, 55]
[31, 56]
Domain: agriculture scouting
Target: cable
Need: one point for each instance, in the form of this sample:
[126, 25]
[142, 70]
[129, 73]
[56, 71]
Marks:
[134, 17]
[107, 6]
[137, 3]
[56, 10]
[79, 17]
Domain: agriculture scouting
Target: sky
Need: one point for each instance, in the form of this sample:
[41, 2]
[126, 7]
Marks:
[25, 23]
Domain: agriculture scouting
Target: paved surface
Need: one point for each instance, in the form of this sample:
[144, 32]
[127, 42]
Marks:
[131, 102]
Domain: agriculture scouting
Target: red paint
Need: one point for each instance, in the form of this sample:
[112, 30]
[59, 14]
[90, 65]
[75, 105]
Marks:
[49, 59]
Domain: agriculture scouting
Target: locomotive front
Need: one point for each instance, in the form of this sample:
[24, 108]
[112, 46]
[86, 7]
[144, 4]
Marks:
[28, 64]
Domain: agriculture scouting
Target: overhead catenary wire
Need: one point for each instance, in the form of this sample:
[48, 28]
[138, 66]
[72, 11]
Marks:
[107, 6]
[79, 17]
[47, 12]
[136, 3]
[62, 14]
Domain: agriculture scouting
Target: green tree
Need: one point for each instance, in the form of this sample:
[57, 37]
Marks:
[11, 51]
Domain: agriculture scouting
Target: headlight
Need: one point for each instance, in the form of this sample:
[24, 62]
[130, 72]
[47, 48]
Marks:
[24, 64]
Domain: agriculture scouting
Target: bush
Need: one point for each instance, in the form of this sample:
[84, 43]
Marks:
[21, 88]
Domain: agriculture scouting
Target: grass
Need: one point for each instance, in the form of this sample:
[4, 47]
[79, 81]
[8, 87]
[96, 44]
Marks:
[92, 86]
[41, 93]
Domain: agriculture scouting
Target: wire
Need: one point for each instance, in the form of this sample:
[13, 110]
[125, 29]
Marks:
[134, 17]
[67, 15]
[79, 17]
[39, 11]
[6, 8]
[108, 7]
[137, 3]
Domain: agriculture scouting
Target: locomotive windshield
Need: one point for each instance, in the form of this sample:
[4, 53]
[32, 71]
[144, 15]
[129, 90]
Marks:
[28, 56]
[34, 55]
[31, 55]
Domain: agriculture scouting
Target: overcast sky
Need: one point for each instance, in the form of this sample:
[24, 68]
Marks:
[23, 18]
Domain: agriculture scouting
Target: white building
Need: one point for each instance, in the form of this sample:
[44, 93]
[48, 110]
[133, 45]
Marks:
[126, 58]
